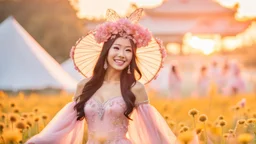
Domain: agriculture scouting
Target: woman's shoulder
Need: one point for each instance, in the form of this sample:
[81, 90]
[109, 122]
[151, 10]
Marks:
[80, 87]
[137, 86]
[83, 81]
[139, 91]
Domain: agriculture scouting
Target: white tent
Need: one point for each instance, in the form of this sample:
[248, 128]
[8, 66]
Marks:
[68, 66]
[25, 65]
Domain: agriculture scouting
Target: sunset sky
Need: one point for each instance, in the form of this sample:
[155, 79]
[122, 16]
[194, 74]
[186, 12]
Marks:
[97, 8]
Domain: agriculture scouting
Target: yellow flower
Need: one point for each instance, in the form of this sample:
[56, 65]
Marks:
[25, 115]
[203, 118]
[185, 137]
[16, 110]
[3, 116]
[36, 119]
[167, 116]
[185, 128]
[1, 127]
[181, 124]
[231, 131]
[244, 138]
[226, 135]
[221, 117]
[12, 104]
[193, 112]
[222, 123]
[241, 121]
[13, 117]
[44, 116]
[12, 136]
[199, 130]
[20, 125]
[251, 120]
[28, 122]
[237, 108]
[171, 123]
[36, 110]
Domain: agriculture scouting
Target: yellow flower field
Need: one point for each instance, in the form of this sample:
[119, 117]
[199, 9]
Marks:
[216, 119]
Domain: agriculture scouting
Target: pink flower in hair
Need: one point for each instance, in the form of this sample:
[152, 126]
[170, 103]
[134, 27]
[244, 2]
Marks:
[125, 28]
[113, 28]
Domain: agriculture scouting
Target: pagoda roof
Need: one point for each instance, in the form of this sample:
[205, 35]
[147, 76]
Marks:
[223, 26]
[175, 26]
[161, 26]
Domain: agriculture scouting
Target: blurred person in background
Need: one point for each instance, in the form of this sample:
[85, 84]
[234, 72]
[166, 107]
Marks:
[203, 82]
[174, 81]
[214, 73]
[224, 77]
[235, 83]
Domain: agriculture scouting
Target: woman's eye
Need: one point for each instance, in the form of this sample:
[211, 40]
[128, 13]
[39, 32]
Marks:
[117, 48]
[129, 50]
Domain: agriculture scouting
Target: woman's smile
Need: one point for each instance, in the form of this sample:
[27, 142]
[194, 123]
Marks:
[119, 62]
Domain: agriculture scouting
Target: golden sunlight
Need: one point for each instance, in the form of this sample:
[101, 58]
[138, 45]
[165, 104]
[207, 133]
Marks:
[96, 9]
[173, 48]
[205, 45]
[228, 3]
[231, 43]
[246, 8]
[147, 3]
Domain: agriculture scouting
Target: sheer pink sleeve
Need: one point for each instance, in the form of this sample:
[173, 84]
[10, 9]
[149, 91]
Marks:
[149, 127]
[62, 129]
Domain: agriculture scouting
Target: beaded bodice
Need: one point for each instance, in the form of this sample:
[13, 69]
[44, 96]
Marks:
[106, 120]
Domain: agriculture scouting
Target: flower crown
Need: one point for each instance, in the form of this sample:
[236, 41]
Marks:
[149, 56]
[125, 27]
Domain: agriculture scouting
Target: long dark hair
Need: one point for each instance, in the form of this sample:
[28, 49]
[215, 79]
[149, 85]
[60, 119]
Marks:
[96, 81]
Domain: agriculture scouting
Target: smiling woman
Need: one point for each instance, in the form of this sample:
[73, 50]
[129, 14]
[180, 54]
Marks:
[113, 100]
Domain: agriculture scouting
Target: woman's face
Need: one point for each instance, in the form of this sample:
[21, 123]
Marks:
[120, 54]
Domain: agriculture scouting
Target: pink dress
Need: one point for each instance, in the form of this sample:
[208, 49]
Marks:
[107, 125]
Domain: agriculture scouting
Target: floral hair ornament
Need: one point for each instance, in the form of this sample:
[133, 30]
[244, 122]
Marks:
[150, 51]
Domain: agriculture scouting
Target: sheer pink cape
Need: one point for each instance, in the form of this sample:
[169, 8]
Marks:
[62, 129]
[147, 127]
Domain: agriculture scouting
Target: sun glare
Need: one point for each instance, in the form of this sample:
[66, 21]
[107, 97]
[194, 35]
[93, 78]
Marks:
[231, 43]
[173, 48]
[246, 8]
[205, 45]
[147, 3]
[96, 9]
[228, 3]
